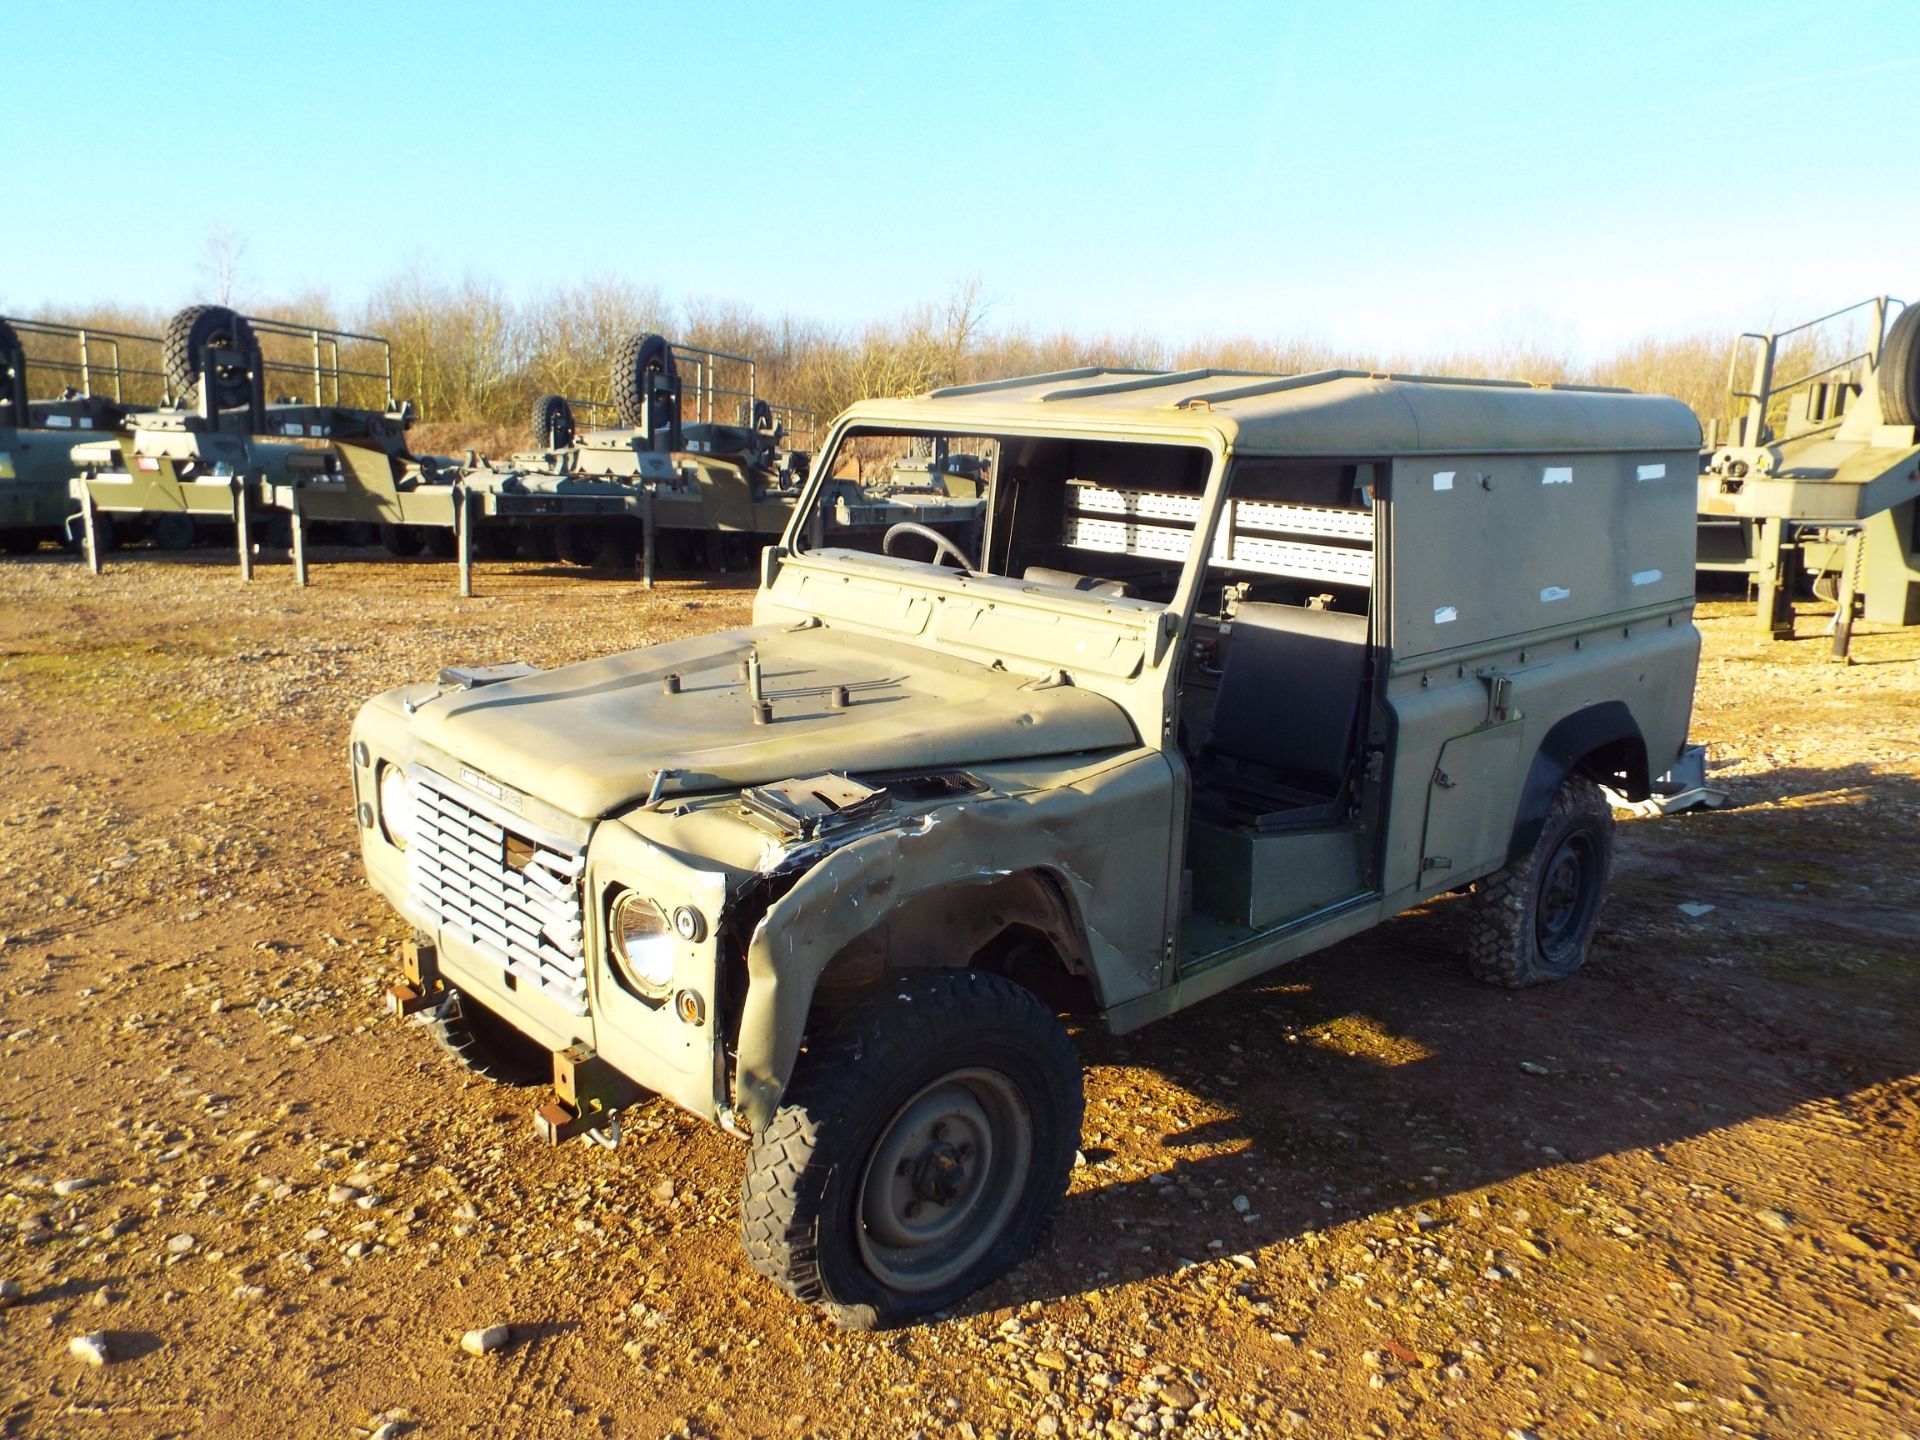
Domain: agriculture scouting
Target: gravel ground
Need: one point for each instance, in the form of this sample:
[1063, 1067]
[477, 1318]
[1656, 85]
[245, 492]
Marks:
[1674, 1196]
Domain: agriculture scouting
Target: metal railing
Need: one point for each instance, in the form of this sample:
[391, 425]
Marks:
[1754, 427]
[325, 368]
[98, 354]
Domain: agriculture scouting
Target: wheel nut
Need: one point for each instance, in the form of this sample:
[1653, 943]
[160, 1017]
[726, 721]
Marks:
[903, 1167]
[913, 1208]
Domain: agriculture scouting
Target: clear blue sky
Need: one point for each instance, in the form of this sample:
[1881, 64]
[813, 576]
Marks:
[1375, 174]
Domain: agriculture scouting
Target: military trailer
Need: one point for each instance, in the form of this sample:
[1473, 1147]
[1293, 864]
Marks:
[226, 451]
[1241, 666]
[712, 490]
[1821, 475]
[38, 437]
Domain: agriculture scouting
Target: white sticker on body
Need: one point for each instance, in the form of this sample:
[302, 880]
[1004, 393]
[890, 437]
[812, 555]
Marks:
[1554, 592]
[1443, 479]
[60, 422]
[1445, 615]
[1645, 577]
[1651, 472]
[1557, 475]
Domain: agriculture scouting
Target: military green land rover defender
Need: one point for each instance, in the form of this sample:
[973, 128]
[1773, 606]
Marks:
[1242, 665]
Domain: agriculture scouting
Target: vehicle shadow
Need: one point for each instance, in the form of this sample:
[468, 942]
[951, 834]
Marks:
[1376, 1075]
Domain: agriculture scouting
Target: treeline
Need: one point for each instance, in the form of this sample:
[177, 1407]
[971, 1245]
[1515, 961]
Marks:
[472, 358]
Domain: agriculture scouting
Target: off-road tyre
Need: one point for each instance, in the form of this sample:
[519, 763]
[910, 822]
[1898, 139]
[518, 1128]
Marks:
[1900, 370]
[19, 542]
[1533, 920]
[188, 334]
[808, 1187]
[616, 545]
[486, 1044]
[403, 541]
[539, 542]
[441, 541]
[552, 422]
[494, 542]
[635, 357]
[174, 530]
[576, 542]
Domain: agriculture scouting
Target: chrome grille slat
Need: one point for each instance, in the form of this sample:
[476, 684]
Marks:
[527, 920]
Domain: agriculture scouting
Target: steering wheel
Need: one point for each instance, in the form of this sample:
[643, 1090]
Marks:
[941, 544]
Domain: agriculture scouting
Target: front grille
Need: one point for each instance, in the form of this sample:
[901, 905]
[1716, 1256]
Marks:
[512, 897]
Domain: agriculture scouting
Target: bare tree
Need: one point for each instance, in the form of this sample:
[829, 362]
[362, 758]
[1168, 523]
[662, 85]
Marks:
[223, 264]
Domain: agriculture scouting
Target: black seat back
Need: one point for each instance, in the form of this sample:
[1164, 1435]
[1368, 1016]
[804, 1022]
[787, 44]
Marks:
[1290, 696]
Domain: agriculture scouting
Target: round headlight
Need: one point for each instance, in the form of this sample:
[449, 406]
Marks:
[643, 943]
[397, 808]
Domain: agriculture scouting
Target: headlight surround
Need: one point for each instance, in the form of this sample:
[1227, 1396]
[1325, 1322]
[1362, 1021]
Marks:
[643, 943]
[399, 811]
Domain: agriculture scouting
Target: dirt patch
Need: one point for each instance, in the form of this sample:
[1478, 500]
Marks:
[1368, 1197]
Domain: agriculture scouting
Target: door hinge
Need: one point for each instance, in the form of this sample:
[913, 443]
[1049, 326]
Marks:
[1443, 780]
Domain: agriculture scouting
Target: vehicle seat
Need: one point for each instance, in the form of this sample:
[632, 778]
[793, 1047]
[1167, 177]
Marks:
[1285, 720]
[1068, 580]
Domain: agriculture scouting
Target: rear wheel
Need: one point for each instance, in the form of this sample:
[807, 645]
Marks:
[486, 1044]
[1533, 920]
[919, 1151]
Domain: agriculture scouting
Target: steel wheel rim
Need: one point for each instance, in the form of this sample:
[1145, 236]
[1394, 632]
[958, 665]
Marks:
[1566, 896]
[943, 1178]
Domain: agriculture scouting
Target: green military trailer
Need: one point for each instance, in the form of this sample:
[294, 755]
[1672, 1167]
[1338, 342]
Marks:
[38, 437]
[226, 451]
[1821, 474]
[1241, 665]
[711, 489]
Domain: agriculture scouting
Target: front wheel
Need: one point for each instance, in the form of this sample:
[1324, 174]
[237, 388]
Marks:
[1533, 920]
[919, 1151]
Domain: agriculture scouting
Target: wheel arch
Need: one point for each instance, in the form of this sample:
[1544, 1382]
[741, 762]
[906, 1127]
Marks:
[1601, 742]
[990, 913]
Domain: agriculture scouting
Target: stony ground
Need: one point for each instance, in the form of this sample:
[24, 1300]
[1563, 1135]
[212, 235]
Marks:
[1674, 1196]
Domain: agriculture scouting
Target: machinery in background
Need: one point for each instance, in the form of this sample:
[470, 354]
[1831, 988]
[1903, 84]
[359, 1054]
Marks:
[1821, 475]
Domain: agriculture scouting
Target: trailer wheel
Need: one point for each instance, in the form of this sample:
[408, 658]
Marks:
[401, 540]
[173, 531]
[576, 542]
[190, 334]
[919, 1151]
[636, 358]
[552, 422]
[1533, 919]
[486, 1044]
[1900, 370]
[615, 548]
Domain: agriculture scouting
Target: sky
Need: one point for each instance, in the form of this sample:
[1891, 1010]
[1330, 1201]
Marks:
[1393, 176]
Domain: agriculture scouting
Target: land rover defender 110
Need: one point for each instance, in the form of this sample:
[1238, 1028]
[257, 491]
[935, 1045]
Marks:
[1240, 665]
